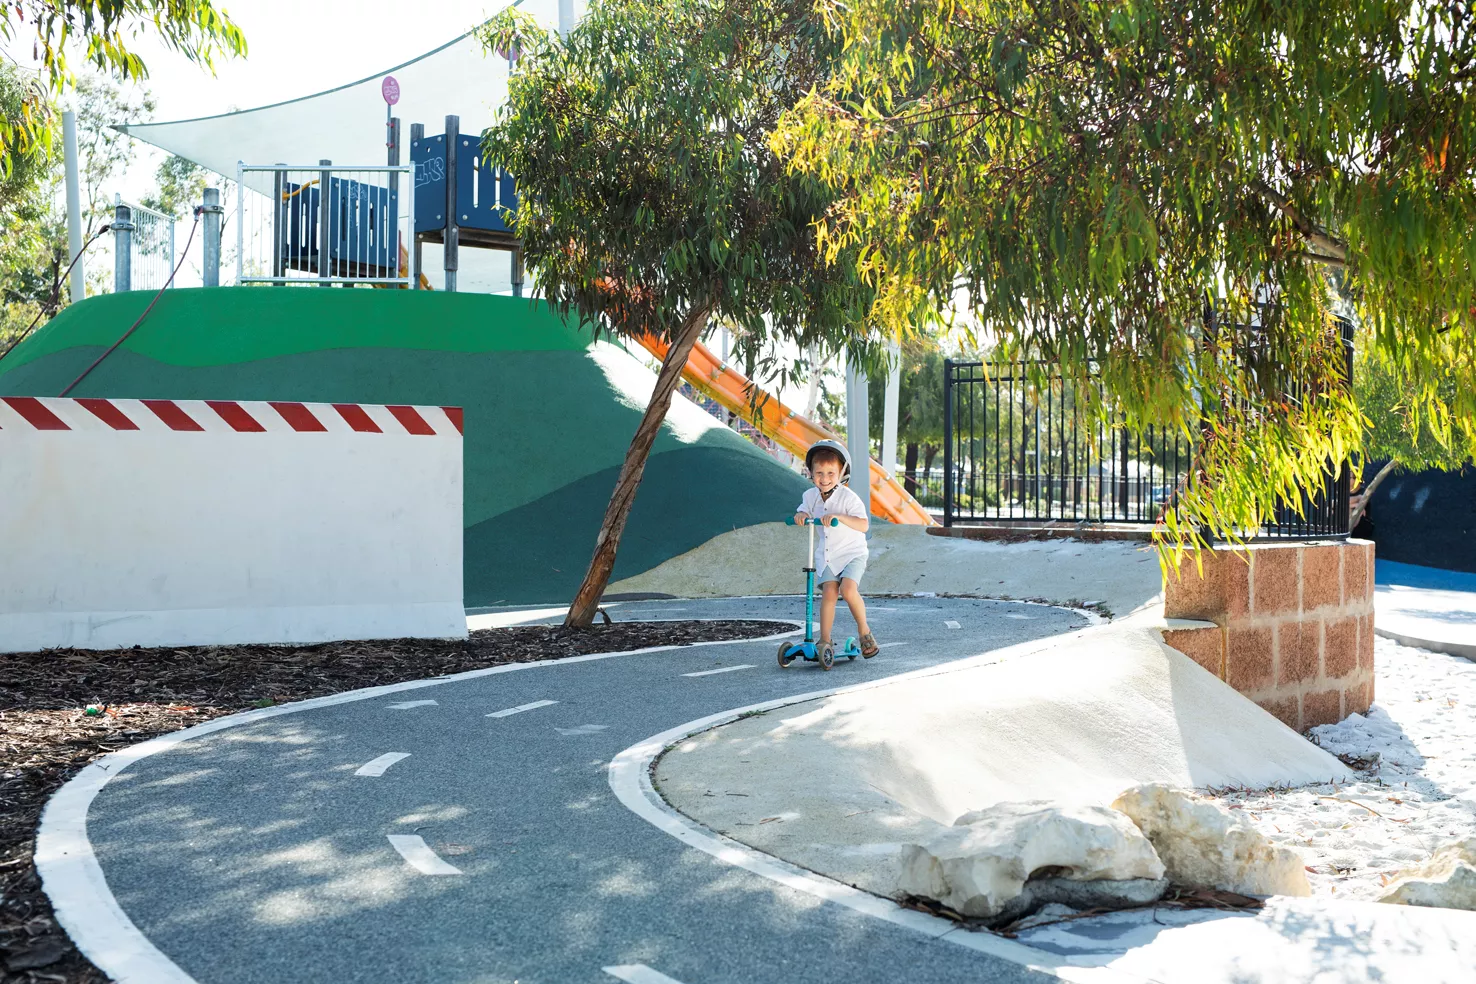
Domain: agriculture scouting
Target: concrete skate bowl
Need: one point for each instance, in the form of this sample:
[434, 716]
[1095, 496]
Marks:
[548, 411]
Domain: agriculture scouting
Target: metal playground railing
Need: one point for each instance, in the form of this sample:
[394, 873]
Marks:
[322, 225]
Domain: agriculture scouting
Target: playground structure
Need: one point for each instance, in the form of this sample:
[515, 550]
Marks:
[456, 198]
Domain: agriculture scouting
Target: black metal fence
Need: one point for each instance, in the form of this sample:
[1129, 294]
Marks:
[1024, 443]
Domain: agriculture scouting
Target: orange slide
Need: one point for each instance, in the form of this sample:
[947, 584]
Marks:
[792, 432]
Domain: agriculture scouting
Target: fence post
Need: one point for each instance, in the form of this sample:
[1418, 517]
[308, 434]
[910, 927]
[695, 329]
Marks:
[452, 250]
[947, 443]
[325, 208]
[122, 248]
[210, 213]
[281, 222]
[417, 134]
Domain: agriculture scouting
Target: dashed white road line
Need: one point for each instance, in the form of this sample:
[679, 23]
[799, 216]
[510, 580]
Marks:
[639, 974]
[510, 711]
[406, 705]
[725, 669]
[418, 855]
[376, 767]
[950, 623]
[893, 645]
[583, 729]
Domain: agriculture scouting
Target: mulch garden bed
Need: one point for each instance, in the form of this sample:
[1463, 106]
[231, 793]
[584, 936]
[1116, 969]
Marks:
[62, 708]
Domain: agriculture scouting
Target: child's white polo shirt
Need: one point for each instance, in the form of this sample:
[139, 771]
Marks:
[836, 546]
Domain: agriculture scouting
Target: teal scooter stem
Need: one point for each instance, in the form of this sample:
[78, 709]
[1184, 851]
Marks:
[790, 651]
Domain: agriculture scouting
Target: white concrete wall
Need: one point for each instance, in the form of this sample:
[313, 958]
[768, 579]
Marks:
[124, 523]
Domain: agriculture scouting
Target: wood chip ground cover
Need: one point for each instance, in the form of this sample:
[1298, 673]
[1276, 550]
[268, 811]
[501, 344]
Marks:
[47, 736]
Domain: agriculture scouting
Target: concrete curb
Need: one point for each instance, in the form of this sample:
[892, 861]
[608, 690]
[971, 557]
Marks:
[1462, 649]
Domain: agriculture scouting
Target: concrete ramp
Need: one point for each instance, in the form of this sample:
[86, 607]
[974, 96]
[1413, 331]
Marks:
[834, 784]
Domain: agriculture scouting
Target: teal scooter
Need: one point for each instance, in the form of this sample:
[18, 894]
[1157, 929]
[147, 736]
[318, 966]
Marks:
[791, 651]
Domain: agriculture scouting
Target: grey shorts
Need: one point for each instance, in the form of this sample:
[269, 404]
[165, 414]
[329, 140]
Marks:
[853, 570]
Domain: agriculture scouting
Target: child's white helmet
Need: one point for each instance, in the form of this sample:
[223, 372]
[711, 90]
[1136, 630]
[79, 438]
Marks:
[838, 448]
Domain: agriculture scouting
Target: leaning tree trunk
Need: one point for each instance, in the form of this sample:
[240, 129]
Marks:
[587, 599]
[1367, 494]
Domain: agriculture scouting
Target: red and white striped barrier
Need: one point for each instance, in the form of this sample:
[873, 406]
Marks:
[194, 522]
[224, 416]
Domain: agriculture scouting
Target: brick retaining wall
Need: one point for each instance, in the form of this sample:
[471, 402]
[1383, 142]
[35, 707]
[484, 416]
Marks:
[1293, 625]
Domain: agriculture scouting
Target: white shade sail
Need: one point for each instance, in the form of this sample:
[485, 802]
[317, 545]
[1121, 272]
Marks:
[347, 125]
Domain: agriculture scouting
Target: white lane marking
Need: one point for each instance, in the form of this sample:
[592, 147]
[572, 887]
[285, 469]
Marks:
[406, 705]
[377, 766]
[418, 855]
[583, 729]
[639, 974]
[726, 669]
[1020, 618]
[890, 645]
[510, 711]
[68, 865]
[950, 623]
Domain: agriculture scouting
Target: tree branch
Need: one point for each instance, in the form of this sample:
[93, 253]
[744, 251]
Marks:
[1330, 248]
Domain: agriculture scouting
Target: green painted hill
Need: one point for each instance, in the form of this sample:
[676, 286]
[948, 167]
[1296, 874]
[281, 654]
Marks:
[548, 413]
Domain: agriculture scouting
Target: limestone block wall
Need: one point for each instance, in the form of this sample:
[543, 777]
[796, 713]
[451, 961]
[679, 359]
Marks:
[1293, 625]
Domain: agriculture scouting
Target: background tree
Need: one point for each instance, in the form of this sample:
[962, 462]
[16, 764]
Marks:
[651, 202]
[1084, 178]
[103, 31]
[1401, 433]
[26, 192]
[919, 407]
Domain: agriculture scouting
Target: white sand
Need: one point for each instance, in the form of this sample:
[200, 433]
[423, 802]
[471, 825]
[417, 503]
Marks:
[1423, 791]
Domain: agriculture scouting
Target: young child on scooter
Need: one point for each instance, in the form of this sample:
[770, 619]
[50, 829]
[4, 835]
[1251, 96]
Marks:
[840, 551]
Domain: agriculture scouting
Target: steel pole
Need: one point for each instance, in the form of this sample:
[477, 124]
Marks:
[858, 438]
[947, 442]
[451, 255]
[122, 248]
[210, 216]
[417, 134]
[325, 212]
[889, 409]
[78, 283]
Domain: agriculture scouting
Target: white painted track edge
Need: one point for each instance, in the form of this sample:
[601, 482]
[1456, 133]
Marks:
[73, 879]
[630, 780]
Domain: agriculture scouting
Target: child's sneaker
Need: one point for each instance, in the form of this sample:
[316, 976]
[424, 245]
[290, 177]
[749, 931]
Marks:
[869, 648]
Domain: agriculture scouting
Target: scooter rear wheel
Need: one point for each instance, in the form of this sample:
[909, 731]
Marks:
[827, 657]
[785, 656]
[852, 647]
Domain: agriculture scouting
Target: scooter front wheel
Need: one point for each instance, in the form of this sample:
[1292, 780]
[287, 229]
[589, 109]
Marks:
[827, 657]
[785, 656]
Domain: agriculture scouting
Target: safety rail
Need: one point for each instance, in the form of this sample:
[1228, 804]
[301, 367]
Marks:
[325, 224]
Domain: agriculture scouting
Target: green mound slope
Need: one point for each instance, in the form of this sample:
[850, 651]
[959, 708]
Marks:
[548, 415]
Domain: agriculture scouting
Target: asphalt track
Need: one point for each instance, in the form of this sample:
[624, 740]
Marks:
[467, 831]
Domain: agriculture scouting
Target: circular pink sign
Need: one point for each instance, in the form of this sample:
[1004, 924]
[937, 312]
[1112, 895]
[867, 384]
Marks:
[390, 89]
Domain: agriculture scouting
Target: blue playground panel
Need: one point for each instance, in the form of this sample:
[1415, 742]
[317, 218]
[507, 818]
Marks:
[363, 228]
[485, 193]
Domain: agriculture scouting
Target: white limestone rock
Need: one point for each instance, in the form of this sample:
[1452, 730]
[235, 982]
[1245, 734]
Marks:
[1447, 880]
[981, 864]
[1201, 844]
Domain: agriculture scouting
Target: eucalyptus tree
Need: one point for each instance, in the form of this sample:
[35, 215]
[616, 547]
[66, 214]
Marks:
[651, 202]
[102, 33]
[1121, 182]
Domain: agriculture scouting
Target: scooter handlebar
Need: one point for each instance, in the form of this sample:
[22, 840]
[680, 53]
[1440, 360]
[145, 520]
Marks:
[789, 521]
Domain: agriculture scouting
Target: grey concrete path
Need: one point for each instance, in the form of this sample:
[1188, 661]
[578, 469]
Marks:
[1426, 607]
[466, 832]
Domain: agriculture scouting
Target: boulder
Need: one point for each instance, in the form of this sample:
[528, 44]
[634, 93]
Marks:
[980, 866]
[1447, 880]
[1202, 844]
